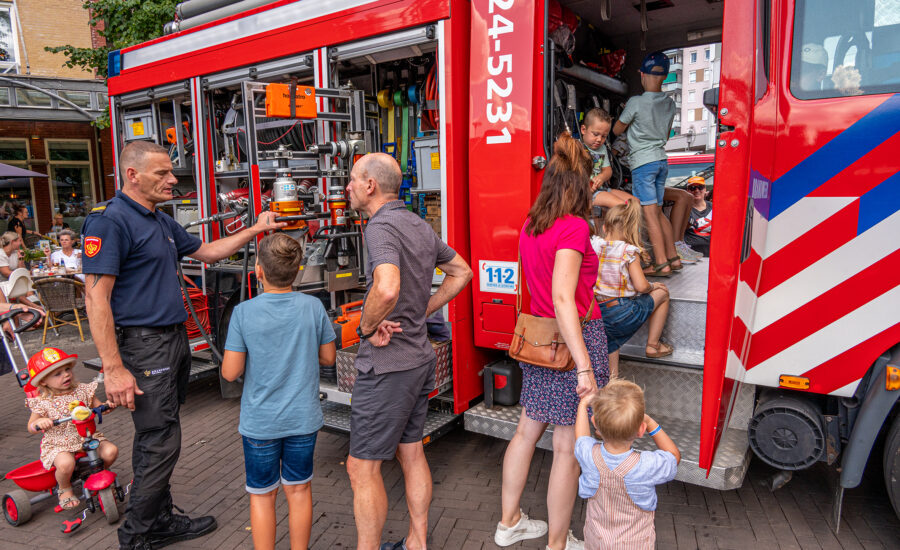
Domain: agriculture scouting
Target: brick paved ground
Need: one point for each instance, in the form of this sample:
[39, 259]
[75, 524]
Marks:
[466, 467]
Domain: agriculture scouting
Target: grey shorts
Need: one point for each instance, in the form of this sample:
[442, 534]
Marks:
[389, 409]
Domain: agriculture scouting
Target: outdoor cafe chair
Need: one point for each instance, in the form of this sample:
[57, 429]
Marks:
[60, 295]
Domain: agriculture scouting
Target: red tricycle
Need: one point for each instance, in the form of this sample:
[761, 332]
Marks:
[100, 488]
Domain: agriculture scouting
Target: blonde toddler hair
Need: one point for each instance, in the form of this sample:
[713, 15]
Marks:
[618, 410]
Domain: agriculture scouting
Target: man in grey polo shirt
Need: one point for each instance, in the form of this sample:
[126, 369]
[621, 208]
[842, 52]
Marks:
[396, 362]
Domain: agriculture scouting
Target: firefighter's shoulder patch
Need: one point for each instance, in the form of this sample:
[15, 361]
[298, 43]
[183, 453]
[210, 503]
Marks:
[92, 246]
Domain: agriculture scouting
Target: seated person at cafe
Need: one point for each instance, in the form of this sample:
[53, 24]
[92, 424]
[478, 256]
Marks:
[700, 227]
[68, 257]
[9, 262]
[59, 223]
[10, 242]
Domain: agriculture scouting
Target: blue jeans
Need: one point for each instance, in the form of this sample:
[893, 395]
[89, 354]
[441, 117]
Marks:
[649, 182]
[625, 318]
[271, 462]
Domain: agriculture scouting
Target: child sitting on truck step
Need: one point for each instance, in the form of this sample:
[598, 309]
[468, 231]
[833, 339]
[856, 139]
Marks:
[277, 341]
[618, 482]
[646, 121]
[625, 297]
[594, 131]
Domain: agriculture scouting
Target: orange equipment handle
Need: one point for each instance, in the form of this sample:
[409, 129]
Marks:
[351, 306]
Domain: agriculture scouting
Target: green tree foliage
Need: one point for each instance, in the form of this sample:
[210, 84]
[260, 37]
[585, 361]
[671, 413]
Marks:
[122, 23]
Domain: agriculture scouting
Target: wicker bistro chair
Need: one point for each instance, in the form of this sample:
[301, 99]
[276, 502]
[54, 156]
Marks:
[60, 295]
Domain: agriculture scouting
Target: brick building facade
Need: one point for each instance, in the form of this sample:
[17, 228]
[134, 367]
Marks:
[46, 111]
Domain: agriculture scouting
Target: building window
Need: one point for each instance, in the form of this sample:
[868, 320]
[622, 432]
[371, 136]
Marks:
[691, 115]
[693, 57]
[4, 97]
[692, 77]
[8, 41]
[15, 191]
[692, 96]
[33, 98]
[705, 114]
[82, 99]
[703, 130]
[706, 53]
[70, 173]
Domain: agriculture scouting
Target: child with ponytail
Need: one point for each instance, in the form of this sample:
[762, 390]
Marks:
[627, 300]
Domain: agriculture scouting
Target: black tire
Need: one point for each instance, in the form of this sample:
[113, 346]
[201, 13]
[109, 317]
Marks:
[107, 500]
[892, 465]
[16, 507]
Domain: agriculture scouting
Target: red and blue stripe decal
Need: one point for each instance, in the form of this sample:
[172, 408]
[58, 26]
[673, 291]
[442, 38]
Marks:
[857, 142]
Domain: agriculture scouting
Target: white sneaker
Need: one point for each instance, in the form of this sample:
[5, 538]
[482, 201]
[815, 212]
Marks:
[572, 543]
[686, 253]
[525, 529]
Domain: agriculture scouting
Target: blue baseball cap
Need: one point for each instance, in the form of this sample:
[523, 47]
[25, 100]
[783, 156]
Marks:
[656, 63]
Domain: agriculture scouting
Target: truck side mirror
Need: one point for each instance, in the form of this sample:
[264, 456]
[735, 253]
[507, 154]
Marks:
[711, 100]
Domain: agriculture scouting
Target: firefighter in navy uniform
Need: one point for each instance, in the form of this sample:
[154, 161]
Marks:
[136, 314]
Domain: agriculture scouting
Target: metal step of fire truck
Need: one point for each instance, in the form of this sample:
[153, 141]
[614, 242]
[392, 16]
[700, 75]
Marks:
[672, 386]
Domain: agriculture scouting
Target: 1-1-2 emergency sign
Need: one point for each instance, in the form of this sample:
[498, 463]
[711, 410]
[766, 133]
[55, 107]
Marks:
[496, 276]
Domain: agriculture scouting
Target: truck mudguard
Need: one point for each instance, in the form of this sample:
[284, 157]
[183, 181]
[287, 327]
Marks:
[874, 410]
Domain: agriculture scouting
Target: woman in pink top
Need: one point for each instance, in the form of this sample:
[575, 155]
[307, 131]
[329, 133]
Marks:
[560, 268]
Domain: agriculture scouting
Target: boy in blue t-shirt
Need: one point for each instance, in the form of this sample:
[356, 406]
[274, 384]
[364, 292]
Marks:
[646, 121]
[277, 341]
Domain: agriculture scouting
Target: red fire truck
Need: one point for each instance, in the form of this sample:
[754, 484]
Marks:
[787, 336]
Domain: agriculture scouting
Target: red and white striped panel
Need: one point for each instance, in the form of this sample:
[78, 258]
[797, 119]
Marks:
[813, 293]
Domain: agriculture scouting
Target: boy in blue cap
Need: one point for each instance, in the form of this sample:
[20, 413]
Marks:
[646, 122]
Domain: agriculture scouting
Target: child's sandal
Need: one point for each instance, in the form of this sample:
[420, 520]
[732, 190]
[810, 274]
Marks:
[671, 262]
[660, 349]
[68, 503]
[657, 270]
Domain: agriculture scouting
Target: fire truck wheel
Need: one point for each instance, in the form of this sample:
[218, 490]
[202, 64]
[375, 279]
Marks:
[16, 507]
[225, 319]
[108, 504]
[892, 465]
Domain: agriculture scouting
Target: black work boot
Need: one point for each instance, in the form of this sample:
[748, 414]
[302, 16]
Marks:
[171, 528]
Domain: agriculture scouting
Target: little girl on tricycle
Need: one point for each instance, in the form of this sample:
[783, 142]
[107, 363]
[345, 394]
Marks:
[51, 374]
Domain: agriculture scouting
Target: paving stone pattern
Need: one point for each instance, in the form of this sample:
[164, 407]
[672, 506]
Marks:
[209, 479]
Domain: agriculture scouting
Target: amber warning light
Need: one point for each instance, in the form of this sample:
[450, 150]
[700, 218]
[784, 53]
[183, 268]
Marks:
[278, 101]
[793, 382]
[892, 381]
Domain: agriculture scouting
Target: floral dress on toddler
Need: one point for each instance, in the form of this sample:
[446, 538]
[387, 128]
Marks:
[64, 437]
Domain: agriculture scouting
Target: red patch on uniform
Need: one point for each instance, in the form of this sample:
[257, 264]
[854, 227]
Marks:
[92, 246]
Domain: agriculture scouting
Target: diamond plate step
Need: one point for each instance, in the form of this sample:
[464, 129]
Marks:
[672, 396]
[728, 470]
[686, 326]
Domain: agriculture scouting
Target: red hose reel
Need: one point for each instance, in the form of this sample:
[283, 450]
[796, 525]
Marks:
[201, 306]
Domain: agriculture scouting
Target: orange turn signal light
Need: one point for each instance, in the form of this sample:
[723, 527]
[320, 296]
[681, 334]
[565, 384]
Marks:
[793, 382]
[892, 378]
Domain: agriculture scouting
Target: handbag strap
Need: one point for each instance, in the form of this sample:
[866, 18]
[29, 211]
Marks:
[587, 316]
[519, 285]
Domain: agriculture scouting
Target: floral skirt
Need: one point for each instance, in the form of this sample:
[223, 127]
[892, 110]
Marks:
[549, 395]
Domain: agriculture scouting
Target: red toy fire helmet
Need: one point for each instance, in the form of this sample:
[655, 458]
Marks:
[45, 362]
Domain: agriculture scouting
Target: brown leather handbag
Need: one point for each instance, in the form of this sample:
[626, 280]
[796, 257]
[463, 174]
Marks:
[537, 340]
